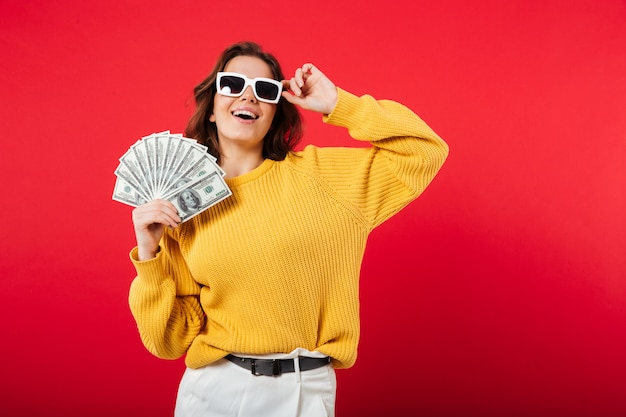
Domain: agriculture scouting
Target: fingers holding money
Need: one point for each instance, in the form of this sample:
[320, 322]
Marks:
[156, 211]
[150, 220]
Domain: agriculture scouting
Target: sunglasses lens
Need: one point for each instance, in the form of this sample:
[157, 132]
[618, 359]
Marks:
[230, 84]
[267, 90]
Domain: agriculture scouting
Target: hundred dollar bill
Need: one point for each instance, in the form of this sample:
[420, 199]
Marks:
[150, 175]
[124, 172]
[196, 144]
[198, 197]
[175, 166]
[165, 149]
[130, 162]
[127, 194]
[137, 156]
[196, 165]
[205, 150]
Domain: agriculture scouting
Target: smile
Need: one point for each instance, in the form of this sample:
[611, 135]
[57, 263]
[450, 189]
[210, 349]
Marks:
[246, 115]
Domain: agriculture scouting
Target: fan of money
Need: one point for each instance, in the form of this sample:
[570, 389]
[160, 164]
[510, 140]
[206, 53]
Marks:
[170, 167]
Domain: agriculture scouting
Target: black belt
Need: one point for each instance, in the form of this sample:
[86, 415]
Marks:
[275, 367]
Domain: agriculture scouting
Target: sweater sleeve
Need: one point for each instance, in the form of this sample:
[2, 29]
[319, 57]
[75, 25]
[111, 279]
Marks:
[164, 300]
[405, 156]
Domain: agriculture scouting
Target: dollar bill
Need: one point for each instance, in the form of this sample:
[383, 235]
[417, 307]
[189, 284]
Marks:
[139, 156]
[166, 146]
[126, 193]
[124, 172]
[193, 168]
[199, 196]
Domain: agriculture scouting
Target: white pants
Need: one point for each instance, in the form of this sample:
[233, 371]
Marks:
[223, 389]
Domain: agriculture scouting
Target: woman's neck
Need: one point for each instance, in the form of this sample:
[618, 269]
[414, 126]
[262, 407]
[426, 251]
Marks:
[238, 163]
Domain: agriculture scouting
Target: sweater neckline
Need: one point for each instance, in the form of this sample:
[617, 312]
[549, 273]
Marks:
[257, 172]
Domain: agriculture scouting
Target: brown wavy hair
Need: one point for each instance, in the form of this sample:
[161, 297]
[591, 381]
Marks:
[286, 129]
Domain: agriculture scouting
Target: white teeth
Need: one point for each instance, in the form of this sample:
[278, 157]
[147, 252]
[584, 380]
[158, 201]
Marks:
[245, 114]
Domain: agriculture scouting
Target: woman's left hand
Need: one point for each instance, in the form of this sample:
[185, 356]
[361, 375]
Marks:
[311, 90]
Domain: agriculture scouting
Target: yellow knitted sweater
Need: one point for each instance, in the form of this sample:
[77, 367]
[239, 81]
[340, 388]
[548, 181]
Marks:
[276, 266]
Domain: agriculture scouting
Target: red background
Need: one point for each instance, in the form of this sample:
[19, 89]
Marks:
[500, 292]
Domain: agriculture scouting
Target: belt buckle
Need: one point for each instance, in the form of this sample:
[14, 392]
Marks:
[276, 371]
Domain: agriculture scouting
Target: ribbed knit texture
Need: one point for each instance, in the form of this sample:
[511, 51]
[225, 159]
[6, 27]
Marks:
[276, 266]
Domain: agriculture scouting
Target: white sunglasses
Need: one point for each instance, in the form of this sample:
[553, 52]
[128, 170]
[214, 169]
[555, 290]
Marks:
[232, 84]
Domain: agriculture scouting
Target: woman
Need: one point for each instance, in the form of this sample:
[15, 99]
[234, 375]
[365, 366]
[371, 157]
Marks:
[260, 292]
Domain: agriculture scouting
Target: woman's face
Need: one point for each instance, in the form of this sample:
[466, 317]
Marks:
[243, 121]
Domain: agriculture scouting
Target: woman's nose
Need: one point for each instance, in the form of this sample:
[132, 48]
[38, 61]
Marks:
[248, 94]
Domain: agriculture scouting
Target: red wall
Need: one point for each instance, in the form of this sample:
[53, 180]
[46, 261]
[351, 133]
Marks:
[500, 292]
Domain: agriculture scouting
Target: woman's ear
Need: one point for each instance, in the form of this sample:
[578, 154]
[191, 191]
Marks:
[212, 118]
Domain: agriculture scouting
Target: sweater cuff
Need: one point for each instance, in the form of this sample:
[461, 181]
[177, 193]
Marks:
[150, 270]
[347, 103]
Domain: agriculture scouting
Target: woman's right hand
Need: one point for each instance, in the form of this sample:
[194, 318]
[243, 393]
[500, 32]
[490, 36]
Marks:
[311, 90]
[150, 220]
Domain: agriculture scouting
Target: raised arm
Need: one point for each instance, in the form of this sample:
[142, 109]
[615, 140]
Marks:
[405, 156]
